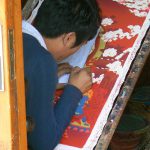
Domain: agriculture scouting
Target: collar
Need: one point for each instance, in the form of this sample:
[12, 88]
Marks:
[31, 30]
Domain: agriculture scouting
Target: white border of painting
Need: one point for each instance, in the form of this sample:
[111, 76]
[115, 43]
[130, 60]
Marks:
[1, 56]
[102, 119]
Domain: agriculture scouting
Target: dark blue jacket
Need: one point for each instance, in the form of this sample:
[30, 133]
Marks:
[41, 76]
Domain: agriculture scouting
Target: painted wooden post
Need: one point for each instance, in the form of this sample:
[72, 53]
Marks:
[12, 98]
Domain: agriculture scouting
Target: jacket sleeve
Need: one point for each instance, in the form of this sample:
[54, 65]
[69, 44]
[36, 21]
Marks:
[50, 121]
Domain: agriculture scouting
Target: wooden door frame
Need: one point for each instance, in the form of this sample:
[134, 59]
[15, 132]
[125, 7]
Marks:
[12, 99]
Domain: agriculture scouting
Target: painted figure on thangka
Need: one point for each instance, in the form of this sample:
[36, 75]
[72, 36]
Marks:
[124, 25]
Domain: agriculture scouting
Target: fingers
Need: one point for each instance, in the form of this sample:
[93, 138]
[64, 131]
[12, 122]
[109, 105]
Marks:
[88, 70]
[64, 65]
[64, 68]
[64, 71]
[76, 69]
[89, 76]
[81, 78]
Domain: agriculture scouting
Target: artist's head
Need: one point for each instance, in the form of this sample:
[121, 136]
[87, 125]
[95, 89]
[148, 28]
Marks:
[67, 24]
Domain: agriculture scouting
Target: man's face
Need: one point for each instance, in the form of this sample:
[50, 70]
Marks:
[61, 47]
[64, 53]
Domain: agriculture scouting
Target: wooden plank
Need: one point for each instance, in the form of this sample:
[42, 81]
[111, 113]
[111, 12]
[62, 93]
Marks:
[29, 6]
[12, 99]
[20, 75]
[124, 94]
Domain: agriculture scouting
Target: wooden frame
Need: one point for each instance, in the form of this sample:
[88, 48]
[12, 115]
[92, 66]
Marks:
[124, 94]
[12, 99]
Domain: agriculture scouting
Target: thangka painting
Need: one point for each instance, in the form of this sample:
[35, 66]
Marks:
[124, 25]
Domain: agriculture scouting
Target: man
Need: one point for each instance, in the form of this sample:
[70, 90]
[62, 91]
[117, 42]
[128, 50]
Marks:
[63, 26]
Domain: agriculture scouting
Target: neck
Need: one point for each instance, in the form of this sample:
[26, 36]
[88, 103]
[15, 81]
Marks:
[53, 45]
[50, 43]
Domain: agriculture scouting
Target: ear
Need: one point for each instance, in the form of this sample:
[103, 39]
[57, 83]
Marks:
[69, 39]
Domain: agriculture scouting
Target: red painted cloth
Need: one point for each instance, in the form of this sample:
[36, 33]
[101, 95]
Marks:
[123, 28]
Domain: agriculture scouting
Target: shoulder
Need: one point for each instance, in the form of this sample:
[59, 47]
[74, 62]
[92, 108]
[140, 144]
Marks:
[36, 55]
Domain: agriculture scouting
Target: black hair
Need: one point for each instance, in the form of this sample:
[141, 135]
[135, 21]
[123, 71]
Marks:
[56, 17]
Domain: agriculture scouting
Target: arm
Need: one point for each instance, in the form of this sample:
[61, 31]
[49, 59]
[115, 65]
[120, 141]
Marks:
[50, 121]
